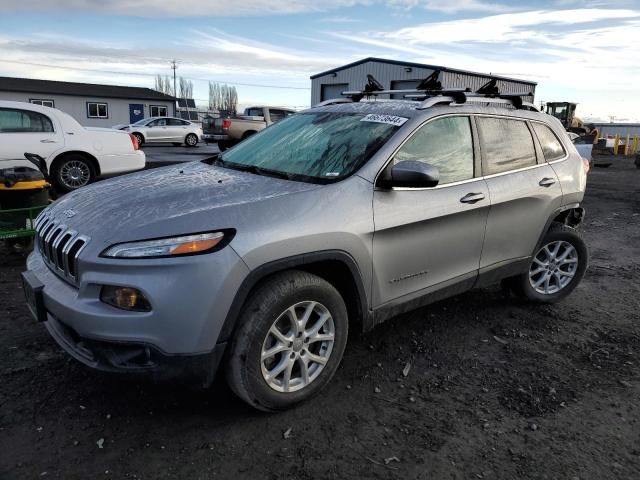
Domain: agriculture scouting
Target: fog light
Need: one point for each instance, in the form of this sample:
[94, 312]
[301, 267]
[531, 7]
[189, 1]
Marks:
[125, 298]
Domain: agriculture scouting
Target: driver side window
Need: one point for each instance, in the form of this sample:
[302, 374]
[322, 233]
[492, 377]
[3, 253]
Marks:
[445, 143]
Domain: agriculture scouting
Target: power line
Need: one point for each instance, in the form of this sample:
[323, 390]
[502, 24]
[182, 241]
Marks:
[115, 72]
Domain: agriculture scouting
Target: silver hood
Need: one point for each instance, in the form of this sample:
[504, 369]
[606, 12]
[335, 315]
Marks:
[173, 200]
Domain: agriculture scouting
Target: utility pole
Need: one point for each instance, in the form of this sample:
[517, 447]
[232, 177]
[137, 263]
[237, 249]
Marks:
[174, 67]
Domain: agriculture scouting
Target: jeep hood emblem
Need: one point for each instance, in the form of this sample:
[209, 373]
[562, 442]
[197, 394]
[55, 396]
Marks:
[69, 213]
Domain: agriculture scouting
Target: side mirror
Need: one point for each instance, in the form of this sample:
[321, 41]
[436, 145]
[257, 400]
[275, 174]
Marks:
[413, 174]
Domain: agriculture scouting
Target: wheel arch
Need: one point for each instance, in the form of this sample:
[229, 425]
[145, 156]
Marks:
[137, 132]
[62, 155]
[572, 216]
[335, 266]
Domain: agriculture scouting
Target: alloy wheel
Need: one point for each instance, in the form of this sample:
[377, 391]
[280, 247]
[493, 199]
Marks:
[297, 346]
[553, 267]
[75, 174]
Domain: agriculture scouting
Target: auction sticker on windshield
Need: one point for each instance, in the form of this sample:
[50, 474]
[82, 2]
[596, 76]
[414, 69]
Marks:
[388, 119]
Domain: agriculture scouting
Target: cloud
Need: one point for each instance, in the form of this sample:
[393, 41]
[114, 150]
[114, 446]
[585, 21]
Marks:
[179, 8]
[581, 53]
[223, 8]
[453, 6]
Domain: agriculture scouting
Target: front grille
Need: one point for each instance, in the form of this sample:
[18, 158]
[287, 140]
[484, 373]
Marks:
[59, 246]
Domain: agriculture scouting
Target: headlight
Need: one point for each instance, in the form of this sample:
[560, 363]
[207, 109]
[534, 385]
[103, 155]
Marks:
[169, 247]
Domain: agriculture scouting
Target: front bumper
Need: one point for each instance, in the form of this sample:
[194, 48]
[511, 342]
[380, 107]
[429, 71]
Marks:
[137, 358]
[190, 298]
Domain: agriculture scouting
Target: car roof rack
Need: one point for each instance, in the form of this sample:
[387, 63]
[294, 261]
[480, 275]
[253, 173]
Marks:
[431, 93]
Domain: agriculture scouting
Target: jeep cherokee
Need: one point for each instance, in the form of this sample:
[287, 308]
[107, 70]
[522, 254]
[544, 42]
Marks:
[334, 219]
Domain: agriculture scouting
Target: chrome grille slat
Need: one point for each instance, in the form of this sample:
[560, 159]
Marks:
[60, 247]
[67, 248]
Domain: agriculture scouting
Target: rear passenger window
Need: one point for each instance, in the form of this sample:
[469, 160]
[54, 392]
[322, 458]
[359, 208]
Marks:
[24, 121]
[551, 146]
[446, 144]
[507, 144]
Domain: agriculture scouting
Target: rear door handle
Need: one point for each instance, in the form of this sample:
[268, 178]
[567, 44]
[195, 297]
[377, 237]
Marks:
[546, 182]
[46, 140]
[472, 197]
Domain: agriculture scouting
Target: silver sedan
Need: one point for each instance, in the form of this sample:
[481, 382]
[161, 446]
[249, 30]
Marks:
[165, 130]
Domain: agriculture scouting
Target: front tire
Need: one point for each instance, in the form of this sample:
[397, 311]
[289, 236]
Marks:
[292, 335]
[72, 172]
[556, 268]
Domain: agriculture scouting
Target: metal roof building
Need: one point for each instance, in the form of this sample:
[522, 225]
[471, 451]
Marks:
[92, 105]
[397, 75]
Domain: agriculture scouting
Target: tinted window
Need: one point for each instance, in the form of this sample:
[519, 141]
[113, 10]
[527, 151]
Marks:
[276, 115]
[176, 122]
[23, 121]
[446, 144]
[507, 144]
[551, 146]
[157, 111]
[255, 112]
[97, 110]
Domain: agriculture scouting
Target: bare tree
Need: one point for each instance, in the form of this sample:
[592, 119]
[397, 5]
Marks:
[186, 88]
[164, 84]
[223, 98]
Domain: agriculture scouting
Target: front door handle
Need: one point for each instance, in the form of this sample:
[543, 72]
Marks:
[472, 197]
[546, 182]
[46, 140]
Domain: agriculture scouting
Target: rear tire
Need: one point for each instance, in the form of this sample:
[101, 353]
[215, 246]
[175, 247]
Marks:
[71, 172]
[556, 268]
[191, 140]
[276, 360]
[139, 138]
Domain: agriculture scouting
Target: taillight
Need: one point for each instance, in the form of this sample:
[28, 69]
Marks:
[134, 141]
[586, 165]
[226, 124]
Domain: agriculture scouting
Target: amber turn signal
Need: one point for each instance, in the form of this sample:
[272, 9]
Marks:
[196, 246]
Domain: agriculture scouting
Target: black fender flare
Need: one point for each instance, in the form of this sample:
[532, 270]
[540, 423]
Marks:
[288, 263]
[573, 216]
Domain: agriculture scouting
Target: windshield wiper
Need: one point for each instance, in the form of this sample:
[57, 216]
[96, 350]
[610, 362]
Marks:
[253, 169]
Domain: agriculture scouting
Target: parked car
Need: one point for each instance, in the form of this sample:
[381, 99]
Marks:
[264, 258]
[75, 155]
[165, 130]
[229, 131]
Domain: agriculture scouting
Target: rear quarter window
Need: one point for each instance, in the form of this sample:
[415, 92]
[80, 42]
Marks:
[551, 146]
[507, 144]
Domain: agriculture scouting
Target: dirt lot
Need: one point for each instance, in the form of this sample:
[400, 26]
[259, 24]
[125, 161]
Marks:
[495, 389]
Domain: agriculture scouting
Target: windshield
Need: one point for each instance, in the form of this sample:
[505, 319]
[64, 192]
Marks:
[142, 122]
[320, 146]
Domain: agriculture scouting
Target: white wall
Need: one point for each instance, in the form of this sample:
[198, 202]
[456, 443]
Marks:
[77, 107]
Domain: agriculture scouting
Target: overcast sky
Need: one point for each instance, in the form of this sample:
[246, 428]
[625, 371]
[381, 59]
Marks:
[583, 51]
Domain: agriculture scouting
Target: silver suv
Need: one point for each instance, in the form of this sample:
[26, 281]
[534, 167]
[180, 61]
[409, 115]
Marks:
[334, 219]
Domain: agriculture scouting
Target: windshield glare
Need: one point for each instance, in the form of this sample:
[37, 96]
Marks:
[141, 122]
[325, 146]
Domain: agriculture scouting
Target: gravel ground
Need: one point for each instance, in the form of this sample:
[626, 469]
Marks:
[494, 388]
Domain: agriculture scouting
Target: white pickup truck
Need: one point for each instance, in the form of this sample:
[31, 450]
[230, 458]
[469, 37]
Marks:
[229, 131]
